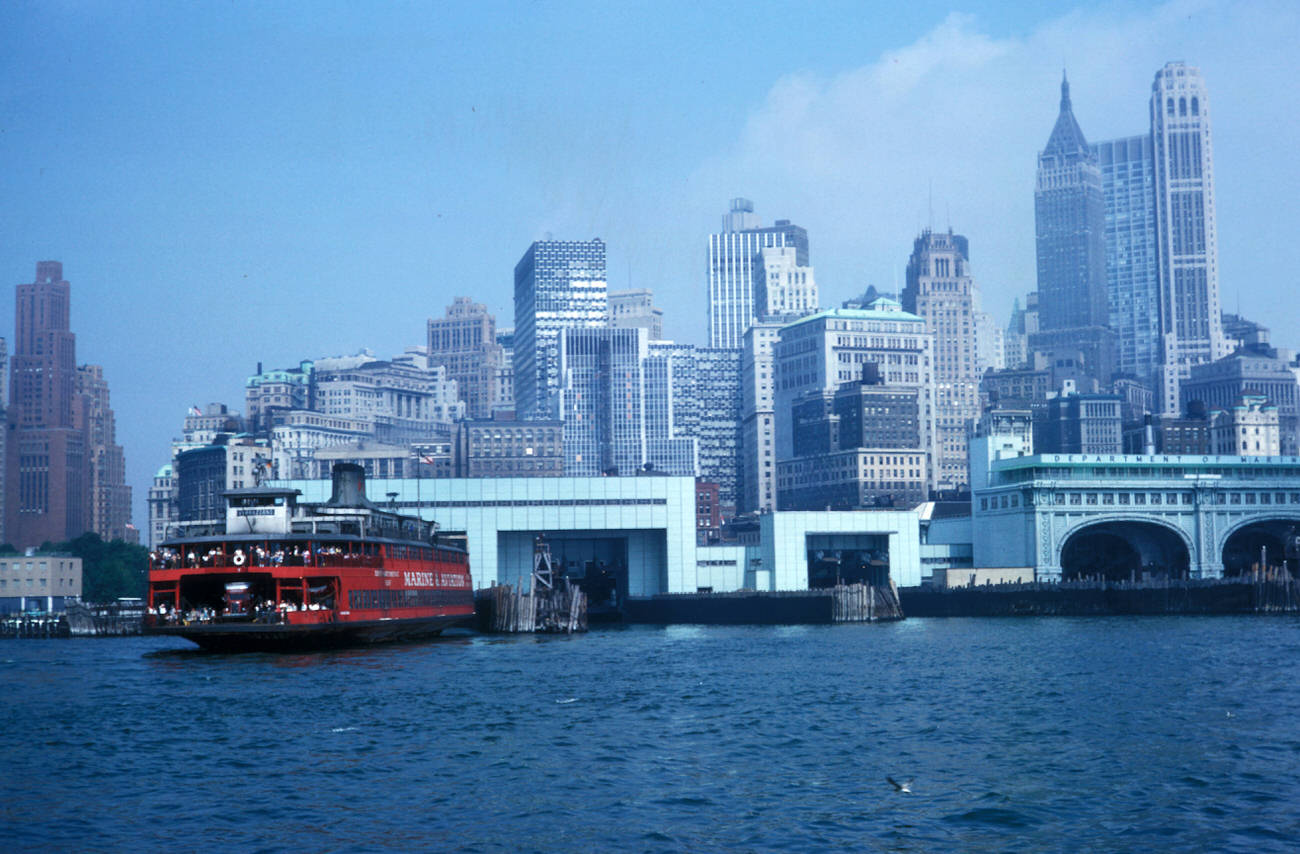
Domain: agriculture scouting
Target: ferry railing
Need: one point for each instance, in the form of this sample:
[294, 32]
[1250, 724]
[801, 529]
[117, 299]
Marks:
[348, 560]
[232, 563]
[207, 616]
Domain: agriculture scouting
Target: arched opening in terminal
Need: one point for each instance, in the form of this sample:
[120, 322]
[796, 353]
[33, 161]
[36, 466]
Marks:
[847, 559]
[1270, 543]
[1123, 551]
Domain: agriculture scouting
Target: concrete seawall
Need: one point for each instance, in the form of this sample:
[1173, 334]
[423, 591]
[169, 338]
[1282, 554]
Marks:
[848, 604]
[1101, 598]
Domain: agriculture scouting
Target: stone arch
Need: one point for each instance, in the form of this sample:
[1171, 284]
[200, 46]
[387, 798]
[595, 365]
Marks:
[1239, 544]
[1120, 547]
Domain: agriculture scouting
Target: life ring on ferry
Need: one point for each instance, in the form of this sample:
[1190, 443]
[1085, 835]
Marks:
[238, 559]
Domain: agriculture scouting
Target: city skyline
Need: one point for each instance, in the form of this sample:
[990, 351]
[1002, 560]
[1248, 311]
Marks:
[267, 239]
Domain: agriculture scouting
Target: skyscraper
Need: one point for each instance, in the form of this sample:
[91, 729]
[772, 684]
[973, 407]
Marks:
[635, 309]
[1187, 237]
[758, 428]
[941, 291]
[1128, 187]
[558, 285]
[616, 405]
[464, 342]
[783, 286]
[717, 398]
[706, 402]
[737, 270]
[64, 471]
[109, 496]
[1069, 217]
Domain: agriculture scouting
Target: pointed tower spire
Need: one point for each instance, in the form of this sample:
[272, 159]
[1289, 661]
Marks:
[1067, 138]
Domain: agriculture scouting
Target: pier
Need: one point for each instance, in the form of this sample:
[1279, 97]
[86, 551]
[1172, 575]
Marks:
[553, 604]
[503, 609]
[852, 603]
[1259, 592]
[33, 626]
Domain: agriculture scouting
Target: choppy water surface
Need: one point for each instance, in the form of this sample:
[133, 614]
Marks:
[1178, 734]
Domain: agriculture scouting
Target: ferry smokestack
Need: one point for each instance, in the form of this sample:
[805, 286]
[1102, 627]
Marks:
[349, 486]
[1148, 438]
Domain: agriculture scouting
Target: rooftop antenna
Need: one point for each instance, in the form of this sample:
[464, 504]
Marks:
[929, 222]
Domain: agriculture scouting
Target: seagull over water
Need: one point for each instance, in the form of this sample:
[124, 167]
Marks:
[905, 787]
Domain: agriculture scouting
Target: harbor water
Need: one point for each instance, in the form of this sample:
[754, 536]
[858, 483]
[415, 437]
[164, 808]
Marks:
[1075, 734]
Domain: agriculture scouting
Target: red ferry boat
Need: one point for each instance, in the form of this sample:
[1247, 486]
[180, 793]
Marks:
[279, 575]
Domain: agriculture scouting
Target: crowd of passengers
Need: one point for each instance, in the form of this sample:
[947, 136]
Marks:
[263, 612]
[169, 558]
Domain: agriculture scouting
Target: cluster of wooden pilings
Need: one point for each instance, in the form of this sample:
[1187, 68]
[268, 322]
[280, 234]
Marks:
[1276, 591]
[559, 610]
[103, 620]
[33, 626]
[864, 603]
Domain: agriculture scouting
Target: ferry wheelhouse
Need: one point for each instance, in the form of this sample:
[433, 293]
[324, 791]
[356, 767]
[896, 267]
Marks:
[282, 575]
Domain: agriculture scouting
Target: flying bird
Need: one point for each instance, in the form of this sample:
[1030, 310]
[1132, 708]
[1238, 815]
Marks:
[905, 787]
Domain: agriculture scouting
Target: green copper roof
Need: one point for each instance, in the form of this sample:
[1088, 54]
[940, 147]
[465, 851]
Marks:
[896, 316]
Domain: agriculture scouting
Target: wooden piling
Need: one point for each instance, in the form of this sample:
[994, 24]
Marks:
[562, 609]
[864, 603]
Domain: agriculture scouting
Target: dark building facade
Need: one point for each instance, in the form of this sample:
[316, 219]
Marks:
[1070, 223]
[859, 446]
[501, 447]
[200, 482]
[1080, 424]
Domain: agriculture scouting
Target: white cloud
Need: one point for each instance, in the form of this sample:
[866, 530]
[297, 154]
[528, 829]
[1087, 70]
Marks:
[958, 117]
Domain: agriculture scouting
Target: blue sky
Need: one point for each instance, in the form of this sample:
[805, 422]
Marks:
[229, 183]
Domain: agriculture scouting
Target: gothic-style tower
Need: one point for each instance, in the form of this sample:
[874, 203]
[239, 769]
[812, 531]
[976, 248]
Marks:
[1070, 222]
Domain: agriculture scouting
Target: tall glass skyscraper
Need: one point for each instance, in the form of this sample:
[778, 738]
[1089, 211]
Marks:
[617, 405]
[737, 270]
[1190, 322]
[718, 398]
[1069, 215]
[558, 285]
[1128, 186]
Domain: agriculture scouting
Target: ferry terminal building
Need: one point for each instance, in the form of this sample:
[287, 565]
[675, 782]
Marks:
[641, 530]
[1033, 517]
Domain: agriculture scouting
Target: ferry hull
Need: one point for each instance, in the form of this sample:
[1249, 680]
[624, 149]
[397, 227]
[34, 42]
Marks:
[262, 637]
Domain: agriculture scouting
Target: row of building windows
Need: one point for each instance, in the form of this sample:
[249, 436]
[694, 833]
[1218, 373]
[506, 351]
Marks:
[374, 600]
[31, 582]
[1144, 498]
[539, 502]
